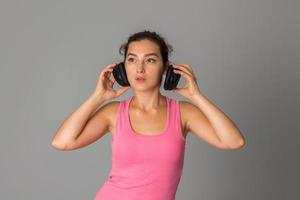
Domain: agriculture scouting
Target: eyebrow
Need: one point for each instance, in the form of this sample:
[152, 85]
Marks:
[149, 54]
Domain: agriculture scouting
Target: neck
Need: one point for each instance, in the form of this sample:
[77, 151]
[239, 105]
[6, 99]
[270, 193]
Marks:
[148, 102]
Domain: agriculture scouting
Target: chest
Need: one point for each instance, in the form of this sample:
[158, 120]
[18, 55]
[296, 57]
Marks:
[148, 123]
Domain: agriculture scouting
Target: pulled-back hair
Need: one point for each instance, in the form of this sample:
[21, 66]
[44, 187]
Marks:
[164, 47]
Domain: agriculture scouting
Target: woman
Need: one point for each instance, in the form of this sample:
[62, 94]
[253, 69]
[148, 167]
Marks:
[148, 130]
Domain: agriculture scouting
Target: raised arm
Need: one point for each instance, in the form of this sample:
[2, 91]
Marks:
[84, 125]
[210, 124]
[66, 136]
[205, 119]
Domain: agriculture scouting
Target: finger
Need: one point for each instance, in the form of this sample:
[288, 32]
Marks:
[181, 71]
[107, 72]
[104, 75]
[188, 66]
[184, 74]
[187, 70]
[183, 68]
[110, 66]
[112, 82]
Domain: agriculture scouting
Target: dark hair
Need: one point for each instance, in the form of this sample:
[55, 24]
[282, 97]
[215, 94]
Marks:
[164, 47]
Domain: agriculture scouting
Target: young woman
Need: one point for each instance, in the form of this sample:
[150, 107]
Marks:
[148, 129]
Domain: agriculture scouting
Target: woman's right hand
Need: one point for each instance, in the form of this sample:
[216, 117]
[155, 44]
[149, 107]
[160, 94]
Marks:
[104, 87]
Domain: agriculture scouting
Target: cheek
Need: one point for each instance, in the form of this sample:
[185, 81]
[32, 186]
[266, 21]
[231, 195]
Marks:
[130, 71]
[155, 73]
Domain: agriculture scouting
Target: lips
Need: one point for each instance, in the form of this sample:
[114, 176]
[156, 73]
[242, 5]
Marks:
[140, 78]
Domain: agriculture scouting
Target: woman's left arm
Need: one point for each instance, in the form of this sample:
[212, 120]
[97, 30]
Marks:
[219, 124]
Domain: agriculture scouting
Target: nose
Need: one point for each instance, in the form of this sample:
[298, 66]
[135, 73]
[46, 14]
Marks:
[140, 67]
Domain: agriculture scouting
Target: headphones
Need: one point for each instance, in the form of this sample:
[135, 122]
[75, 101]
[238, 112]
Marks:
[120, 76]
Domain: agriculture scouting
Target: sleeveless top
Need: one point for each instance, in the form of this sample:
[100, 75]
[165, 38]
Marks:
[147, 167]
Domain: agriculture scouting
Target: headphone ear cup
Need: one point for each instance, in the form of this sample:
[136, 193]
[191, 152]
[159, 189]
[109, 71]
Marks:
[119, 74]
[172, 79]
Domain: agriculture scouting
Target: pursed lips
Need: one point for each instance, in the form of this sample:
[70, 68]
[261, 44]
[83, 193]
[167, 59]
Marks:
[139, 78]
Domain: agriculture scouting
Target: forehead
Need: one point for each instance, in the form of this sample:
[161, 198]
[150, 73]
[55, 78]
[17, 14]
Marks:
[143, 47]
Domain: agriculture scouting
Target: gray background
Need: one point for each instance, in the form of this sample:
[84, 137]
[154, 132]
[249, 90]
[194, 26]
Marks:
[246, 55]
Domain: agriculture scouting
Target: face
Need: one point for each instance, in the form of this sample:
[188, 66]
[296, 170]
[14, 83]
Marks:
[143, 64]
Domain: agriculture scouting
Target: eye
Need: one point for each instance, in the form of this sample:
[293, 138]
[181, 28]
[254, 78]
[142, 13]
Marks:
[130, 59]
[152, 60]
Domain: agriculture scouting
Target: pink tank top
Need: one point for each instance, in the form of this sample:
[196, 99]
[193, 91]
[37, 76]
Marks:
[147, 167]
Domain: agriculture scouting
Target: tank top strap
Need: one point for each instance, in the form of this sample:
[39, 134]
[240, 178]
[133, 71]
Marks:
[175, 119]
[120, 119]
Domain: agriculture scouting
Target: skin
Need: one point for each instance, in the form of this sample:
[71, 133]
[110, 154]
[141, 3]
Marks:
[148, 108]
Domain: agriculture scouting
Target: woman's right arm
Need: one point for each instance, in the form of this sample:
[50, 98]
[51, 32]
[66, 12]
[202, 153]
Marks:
[84, 125]
[72, 126]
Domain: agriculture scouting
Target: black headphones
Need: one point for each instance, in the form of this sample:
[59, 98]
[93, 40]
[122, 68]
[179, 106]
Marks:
[170, 83]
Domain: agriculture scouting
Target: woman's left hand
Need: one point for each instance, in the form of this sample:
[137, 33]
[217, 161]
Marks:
[190, 89]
